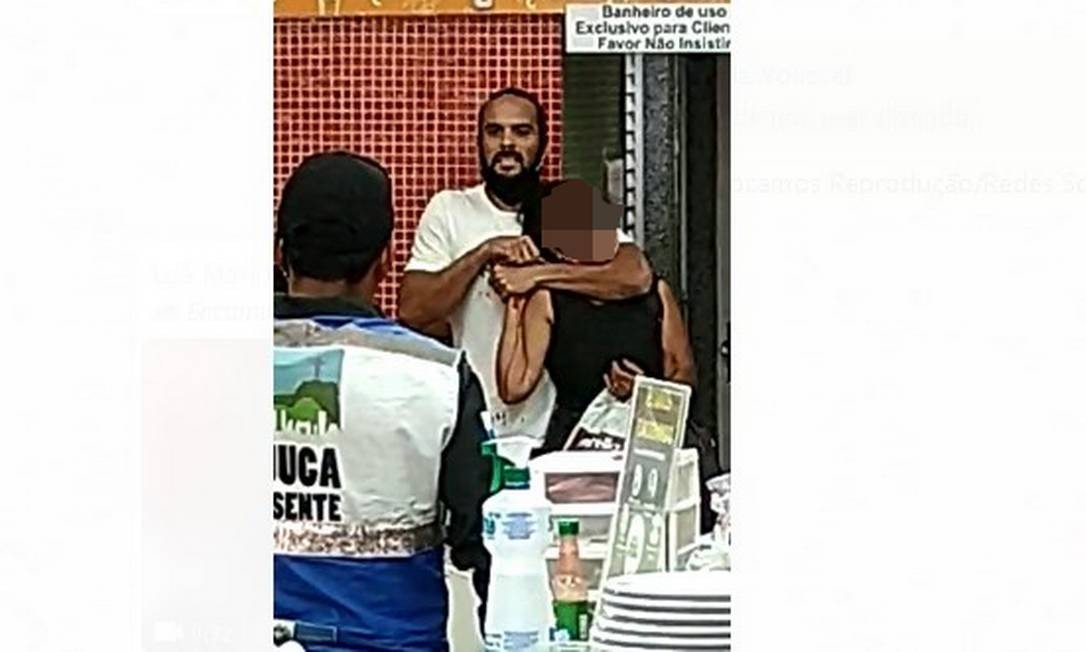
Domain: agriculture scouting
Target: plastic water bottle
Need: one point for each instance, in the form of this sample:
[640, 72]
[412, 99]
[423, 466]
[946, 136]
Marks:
[516, 531]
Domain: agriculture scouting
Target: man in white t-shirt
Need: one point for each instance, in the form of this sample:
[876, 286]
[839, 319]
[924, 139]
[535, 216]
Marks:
[464, 232]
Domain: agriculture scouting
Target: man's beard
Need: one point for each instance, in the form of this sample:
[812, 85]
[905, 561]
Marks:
[512, 191]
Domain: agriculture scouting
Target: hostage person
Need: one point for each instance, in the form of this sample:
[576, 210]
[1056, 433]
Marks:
[464, 233]
[584, 344]
[377, 430]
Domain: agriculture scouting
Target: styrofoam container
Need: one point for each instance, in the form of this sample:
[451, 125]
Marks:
[558, 474]
[593, 571]
[593, 557]
[683, 530]
[594, 519]
[698, 606]
[685, 481]
[634, 629]
[608, 637]
[603, 648]
[711, 585]
[602, 472]
[578, 476]
[688, 619]
[613, 647]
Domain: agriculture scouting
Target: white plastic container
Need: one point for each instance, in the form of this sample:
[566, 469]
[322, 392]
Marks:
[556, 474]
[517, 531]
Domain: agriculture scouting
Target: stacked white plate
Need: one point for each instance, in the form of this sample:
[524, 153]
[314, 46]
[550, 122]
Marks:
[676, 611]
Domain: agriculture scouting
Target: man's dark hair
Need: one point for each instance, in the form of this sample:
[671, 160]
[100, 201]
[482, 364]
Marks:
[540, 116]
[335, 217]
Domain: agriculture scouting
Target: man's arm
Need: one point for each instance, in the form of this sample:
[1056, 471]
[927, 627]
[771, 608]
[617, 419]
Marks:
[626, 275]
[427, 299]
[440, 331]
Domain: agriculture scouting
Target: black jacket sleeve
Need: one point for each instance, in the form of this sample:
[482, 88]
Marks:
[464, 479]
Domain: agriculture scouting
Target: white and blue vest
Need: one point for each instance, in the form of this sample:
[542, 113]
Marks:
[363, 410]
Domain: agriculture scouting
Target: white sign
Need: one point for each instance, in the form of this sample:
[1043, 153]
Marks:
[648, 29]
[655, 430]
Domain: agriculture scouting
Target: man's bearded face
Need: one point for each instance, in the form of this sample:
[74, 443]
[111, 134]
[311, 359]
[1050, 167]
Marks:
[509, 148]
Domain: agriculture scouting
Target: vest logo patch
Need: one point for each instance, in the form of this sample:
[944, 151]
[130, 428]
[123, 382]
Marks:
[307, 391]
[307, 405]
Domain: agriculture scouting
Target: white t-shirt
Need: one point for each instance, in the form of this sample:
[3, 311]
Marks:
[454, 223]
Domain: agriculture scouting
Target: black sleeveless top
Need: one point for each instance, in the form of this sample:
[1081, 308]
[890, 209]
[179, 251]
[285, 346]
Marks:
[587, 337]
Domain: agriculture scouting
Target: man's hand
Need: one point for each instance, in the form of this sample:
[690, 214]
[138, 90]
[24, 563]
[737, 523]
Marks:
[517, 250]
[620, 378]
[509, 281]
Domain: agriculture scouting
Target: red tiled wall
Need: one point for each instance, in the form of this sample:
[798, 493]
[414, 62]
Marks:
[405, 91]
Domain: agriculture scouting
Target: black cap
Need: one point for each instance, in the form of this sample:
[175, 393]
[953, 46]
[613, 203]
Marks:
[335, 216]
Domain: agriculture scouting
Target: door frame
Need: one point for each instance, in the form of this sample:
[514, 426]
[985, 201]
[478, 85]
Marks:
[723, 242]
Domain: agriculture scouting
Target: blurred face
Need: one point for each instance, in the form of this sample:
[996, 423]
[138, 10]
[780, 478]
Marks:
[510, 136]
[579, 224]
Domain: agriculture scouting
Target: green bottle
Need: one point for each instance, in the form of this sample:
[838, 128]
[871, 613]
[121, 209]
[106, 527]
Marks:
[569, 587]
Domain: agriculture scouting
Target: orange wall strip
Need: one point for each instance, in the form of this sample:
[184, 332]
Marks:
[333, 8]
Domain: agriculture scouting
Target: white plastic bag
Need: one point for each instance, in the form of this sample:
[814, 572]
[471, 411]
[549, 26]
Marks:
[603, 425]
[721, 491]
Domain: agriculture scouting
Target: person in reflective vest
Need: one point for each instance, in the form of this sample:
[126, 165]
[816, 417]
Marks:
[377, 464]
